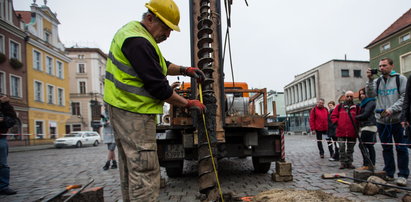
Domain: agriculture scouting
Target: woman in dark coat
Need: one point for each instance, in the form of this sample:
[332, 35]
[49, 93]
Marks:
[368, 128]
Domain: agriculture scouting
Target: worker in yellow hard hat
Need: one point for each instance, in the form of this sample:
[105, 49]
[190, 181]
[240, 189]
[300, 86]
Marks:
[135, 90]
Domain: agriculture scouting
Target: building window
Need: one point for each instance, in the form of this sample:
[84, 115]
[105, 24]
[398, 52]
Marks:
[49, 65]
[36, 60]
[14, 50]
[52, 129]
[50, 94]
[39, 129]
[405, 37]
[405, 63]
[385, 47]
[81, 68]
[9, 11]
[38, 91]
[76, 127]
[82, 87]
[2, 44]
[75, 108]
[357, 73]
[15, 86]
[1, 9]
[81, 57]
[3, 83]
[47, 36]
[60, 70]
[60, 96]
[345, 73]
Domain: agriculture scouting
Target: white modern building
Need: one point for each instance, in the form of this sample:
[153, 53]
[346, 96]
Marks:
[329, 81]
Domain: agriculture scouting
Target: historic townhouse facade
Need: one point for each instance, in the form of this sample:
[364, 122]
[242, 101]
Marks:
[86, 71]
[329, 81]
[47, 74]
[13, 80]
[395, 43]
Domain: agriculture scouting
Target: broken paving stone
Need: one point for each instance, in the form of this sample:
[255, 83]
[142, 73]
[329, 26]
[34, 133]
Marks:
[355, 187]
[371, 189]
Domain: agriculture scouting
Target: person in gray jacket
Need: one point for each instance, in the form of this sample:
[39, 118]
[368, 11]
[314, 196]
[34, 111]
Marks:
[108, 138]
[389, 90]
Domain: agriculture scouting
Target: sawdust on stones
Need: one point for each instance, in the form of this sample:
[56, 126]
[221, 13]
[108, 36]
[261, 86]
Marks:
[291, 195]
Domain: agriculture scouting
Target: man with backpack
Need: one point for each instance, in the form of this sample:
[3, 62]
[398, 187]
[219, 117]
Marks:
[389, 91]
[319, 124]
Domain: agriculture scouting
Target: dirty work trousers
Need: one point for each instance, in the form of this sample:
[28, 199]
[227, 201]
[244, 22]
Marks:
[346, 149]
[135, 136]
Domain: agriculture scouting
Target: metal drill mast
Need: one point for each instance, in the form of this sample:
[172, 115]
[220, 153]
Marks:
[205, 20]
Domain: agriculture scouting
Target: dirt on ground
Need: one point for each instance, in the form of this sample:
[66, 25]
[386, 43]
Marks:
[291, 195]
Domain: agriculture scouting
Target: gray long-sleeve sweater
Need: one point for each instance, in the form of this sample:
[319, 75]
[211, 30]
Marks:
[388, 97]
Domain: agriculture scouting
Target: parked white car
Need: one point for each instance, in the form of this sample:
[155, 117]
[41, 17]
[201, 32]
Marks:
[78, 139]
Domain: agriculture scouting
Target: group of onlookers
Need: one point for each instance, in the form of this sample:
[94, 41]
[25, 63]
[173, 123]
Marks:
[384, 107]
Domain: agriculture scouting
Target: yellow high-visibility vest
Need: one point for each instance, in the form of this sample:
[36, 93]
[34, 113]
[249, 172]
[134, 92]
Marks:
[122, 86]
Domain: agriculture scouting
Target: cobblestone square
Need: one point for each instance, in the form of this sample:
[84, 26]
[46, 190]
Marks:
[45, 172]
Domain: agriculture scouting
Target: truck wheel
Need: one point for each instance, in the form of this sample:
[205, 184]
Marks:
[175, 168]
[260, 167]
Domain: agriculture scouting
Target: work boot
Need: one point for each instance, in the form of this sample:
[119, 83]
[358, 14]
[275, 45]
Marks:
[7, 191]
[350, 166]
[114, 165]
[107, 165]
[363, 168]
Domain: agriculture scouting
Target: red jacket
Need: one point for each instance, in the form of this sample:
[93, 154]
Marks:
[319, 119]
[340, 117]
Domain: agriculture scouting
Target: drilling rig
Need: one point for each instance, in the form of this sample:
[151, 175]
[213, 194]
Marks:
[230, 126]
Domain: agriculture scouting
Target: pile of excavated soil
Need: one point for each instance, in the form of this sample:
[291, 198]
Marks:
[291, 195]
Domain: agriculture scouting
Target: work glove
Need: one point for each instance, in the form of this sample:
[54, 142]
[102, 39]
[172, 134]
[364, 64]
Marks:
[196, 104]
[193, 72]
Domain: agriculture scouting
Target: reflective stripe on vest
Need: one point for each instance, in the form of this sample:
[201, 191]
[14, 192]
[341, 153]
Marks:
[121, 66]
[128, 88]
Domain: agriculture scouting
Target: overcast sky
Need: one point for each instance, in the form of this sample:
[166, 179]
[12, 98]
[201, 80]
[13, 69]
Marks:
[272, 40]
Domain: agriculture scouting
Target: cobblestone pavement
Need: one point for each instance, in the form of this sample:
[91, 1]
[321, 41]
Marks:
[45, 172]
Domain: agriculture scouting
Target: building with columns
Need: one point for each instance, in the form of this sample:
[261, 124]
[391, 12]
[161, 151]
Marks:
[329, 81]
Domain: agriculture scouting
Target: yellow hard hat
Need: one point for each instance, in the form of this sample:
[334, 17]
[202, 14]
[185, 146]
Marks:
[167, 11]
